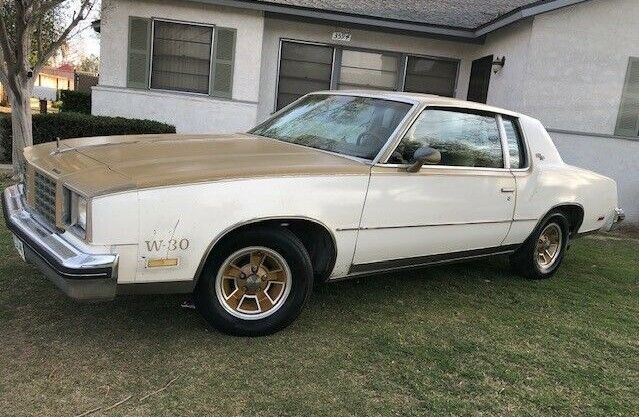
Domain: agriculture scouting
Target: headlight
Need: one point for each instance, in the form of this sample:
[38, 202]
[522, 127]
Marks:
[76, 213]
[81, 212]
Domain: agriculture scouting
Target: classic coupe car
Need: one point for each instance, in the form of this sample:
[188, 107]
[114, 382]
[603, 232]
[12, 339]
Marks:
[336, 185]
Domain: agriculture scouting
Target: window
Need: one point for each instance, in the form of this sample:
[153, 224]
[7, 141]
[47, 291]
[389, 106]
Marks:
[181, 57]
[355, 126]
[304, 68]
[178, 56]
[628, 117]
[368, 70]
[430, 76]
[309, 67]
[464, 139]
[515, 143]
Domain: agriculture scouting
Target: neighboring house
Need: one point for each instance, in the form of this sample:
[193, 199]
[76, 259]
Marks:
[59, 78]
[224, 65]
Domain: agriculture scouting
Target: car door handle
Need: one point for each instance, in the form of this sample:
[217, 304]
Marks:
[507, 190]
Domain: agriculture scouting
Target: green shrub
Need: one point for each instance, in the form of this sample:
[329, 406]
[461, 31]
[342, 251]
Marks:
[75, 101]
[47, 127]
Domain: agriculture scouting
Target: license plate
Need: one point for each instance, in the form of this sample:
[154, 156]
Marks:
[19, 247]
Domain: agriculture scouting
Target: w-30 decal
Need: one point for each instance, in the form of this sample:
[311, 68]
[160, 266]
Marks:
[169, 245]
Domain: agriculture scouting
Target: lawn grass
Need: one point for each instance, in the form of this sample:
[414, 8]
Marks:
[464, 340]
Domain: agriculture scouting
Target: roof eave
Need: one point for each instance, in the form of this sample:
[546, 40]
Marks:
[445, 31]
[454, 33]
[521, 13]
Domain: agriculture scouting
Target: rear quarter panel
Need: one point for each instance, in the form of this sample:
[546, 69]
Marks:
[549, 183]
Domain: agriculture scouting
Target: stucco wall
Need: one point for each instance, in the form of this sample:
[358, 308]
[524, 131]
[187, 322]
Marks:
[506, 86]
[276, 29]
[579, 57]
[190, 113]
[567, 67]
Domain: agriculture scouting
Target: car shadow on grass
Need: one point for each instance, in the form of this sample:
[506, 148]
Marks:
[143, 317]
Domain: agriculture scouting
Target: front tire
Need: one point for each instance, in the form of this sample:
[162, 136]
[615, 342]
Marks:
[255, 282]
[542, 253]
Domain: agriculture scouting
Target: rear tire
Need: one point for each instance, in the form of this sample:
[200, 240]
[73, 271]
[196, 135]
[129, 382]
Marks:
[255, 282]
[541, 254]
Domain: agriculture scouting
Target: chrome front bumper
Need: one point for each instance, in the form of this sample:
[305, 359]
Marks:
[79, 274]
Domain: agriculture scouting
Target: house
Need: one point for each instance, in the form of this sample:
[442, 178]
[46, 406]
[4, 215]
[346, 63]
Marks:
[224, 65]
[58, 78]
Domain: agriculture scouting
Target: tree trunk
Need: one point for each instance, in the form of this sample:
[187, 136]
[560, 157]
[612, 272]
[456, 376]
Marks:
[21, 128]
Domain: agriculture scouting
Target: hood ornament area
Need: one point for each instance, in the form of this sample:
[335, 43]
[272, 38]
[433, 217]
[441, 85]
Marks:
[57, 149]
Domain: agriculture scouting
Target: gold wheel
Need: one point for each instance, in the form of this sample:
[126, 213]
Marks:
[253, 283]
[548, 247]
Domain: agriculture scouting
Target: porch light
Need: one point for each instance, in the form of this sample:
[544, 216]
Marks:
[498, 64]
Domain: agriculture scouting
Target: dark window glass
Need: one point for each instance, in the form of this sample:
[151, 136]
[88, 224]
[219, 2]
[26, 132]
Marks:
[181, 57]
[350, 125]
[304, 68]
[515, 144]
[430, 76]
[464, 139]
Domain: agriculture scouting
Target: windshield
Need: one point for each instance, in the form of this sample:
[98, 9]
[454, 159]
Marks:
[350, 125]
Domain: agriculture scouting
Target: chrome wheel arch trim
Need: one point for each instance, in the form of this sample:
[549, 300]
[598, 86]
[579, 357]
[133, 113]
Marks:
[230, 229]
[540, 223]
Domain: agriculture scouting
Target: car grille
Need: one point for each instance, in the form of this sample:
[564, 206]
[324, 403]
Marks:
[44, 197]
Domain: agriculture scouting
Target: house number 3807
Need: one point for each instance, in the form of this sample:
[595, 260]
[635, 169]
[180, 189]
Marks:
[171, 245]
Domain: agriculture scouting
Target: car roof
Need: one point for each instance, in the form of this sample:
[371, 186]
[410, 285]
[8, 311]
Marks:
[418, 98]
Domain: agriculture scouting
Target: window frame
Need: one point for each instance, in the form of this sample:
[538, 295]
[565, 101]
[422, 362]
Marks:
[279, 65]
[406, 56]
[211, 55]
[402, 63]
[387, 152]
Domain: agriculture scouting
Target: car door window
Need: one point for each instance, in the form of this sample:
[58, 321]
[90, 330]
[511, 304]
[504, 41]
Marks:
[463, 138]
[515, 143]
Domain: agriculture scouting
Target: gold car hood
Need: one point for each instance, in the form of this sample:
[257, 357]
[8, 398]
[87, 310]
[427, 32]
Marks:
[102, 165]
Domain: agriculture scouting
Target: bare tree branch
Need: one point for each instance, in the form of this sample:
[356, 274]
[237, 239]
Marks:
[85, 8]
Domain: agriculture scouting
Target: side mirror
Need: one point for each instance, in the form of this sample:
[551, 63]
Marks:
[424, 155]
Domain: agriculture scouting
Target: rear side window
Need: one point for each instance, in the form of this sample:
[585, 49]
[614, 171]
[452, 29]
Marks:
[515, 143]
[463, 139]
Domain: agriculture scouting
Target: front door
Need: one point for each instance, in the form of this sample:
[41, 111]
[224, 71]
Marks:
[462, 207]
[480, 79]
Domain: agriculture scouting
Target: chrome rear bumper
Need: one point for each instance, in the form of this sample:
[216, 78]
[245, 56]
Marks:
[79, 274]
[619, 216]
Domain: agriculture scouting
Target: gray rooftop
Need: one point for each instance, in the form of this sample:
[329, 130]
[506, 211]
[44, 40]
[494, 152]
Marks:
[467, 20]
[467, 14]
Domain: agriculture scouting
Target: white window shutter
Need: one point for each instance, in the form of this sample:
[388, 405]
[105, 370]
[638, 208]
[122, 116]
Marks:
[628, 117]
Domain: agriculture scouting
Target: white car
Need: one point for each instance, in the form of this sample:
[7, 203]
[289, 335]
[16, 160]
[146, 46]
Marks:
[336, 185]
